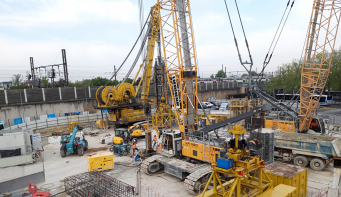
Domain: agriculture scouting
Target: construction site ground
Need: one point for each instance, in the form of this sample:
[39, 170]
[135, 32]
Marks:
[159, 184]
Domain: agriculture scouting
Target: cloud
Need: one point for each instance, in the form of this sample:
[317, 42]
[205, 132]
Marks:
[44, 13]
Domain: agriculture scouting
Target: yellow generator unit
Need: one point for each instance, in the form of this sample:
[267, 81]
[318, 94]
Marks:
[100, 161]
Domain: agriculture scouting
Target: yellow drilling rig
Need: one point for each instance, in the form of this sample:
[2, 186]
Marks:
[121, 101]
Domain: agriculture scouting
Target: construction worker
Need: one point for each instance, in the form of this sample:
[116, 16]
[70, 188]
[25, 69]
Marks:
[155, 139]
[158, 147]
[134, 147]
[313, 126]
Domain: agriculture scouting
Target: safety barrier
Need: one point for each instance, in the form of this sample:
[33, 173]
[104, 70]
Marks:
[58, 121]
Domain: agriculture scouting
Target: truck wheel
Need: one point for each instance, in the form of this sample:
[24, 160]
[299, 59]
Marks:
[63, 153]
[80, 151]
[301, 161]
[317, 164]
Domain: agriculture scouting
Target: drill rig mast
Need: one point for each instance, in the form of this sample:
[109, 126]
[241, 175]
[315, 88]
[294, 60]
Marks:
[180, 60]
[121, 101]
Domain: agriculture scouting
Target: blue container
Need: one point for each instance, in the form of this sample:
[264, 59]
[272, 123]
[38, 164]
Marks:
[225, 163]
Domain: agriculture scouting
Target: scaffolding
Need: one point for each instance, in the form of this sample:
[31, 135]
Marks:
[163, 116]
[238, 106]
[93, 184]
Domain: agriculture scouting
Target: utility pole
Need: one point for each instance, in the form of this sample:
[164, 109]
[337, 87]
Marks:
[222, 67]
[225, 72]
[115, 75]
[66, 74]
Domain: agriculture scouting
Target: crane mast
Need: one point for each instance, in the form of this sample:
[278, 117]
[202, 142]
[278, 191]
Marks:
[323, 27]
[152, 36]
[180, 60]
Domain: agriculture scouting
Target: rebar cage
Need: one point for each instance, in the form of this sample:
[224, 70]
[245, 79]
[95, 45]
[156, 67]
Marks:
[96, 184]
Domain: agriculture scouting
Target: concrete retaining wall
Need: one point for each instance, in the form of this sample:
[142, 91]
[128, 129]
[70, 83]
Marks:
[8, 114]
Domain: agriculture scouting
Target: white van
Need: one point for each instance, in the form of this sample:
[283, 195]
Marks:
[224, 106]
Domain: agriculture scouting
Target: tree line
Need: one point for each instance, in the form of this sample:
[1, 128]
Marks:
[18, 82]
[287, 77]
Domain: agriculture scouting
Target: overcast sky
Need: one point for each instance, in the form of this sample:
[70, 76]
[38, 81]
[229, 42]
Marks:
[98, 34]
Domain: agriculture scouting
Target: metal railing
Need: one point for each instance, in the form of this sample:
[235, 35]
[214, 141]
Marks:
[58, 121]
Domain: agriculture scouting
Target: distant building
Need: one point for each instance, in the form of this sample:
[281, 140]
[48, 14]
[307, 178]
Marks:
[5, 84]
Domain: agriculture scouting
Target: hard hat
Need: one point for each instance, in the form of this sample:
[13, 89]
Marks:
[154, 135]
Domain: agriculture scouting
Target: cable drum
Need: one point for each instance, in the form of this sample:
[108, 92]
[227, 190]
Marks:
[125, 91]
[106, 95]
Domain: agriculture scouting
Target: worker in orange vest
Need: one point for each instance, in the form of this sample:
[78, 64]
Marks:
[134, 147]
[155, 139]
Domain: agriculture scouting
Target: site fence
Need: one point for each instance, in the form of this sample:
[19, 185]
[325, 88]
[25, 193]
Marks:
[331, 119]
[58, 121]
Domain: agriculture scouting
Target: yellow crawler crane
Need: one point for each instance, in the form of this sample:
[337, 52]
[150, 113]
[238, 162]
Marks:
[318, 54]
[181, 149]
[238, 163]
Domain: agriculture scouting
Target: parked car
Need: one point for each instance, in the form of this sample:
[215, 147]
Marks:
[215, 108]
[208, 104]
[215, 104]
[224, 106]
[203, 106]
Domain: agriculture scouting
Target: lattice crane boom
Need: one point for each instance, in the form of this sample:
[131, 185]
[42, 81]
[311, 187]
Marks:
[180, 60]
[323, 28]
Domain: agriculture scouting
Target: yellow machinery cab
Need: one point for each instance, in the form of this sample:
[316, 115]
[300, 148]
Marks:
[121, 136]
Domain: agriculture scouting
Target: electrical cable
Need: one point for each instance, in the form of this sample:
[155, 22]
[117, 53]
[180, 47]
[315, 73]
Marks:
[141, 32]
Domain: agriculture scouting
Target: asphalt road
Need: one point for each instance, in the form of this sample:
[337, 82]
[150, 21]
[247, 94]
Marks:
[330, 110]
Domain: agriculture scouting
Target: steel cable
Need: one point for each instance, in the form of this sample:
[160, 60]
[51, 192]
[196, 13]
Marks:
[266, 61]
[141, 32]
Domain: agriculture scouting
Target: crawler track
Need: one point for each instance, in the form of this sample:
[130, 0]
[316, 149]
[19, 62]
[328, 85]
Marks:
[145, 164]
[195, 179]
